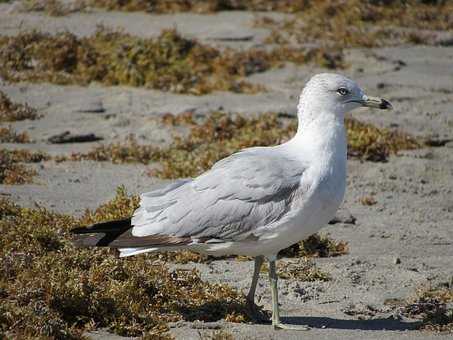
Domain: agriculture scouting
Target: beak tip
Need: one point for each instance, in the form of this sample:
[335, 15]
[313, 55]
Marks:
[385, 105]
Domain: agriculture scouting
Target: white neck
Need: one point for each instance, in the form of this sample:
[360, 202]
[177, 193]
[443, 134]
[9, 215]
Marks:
[320, 134]
[309, 111]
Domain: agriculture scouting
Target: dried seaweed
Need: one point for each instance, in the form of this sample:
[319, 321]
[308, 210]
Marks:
[303, 269]
[220, 135]
[168, 62]
[434, 307]
[12, 169]
[355, 23]
[8, 135]
[316, 246]
[10, 112]
[174, 6]
[50, 289]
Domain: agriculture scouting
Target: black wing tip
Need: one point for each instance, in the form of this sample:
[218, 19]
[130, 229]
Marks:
[104, 227]
[100, 234]
[80, 230]
[87, 241]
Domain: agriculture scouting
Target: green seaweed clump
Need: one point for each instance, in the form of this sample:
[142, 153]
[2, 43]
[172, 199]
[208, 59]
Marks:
[12, 169]
[11, 112]
[51, 289]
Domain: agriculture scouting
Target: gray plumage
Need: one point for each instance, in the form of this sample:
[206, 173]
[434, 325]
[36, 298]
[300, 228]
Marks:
[240, 194]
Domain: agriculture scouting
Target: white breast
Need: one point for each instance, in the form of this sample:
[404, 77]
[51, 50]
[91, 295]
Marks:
[322, 153]
[322, 185]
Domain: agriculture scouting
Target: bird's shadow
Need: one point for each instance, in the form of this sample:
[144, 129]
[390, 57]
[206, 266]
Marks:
[216, 310]
[387, 324]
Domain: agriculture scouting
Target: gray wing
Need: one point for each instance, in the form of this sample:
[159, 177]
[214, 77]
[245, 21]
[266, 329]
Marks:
[248, 190]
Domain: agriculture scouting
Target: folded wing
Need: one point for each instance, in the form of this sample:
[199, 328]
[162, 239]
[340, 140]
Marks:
[237, 196]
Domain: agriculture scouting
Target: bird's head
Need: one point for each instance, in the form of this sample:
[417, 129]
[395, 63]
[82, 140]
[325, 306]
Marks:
[329, 92]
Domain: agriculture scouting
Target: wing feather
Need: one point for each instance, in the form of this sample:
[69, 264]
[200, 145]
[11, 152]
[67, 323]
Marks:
[239, 194]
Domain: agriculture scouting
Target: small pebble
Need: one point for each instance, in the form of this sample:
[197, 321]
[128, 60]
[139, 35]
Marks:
[91, 106]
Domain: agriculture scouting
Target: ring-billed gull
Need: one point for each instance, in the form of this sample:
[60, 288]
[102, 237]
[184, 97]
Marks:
[255, 202]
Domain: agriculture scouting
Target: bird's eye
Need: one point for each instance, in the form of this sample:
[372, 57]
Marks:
[342, 91]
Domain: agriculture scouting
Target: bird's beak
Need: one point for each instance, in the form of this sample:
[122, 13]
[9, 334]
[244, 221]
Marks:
[375, 102]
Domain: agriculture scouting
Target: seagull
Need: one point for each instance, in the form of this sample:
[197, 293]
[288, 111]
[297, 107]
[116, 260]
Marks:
[255, 202]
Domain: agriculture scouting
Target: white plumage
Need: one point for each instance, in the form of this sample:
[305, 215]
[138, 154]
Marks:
[260, 200]
[263, 199]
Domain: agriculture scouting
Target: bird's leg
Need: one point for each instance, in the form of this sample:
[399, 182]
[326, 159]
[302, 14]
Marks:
[275, 308]
[254, 310]
[256, 273]
[274, 291]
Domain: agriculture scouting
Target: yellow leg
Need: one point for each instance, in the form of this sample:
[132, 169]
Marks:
[256, 313]
[256, 273]
[275, 308]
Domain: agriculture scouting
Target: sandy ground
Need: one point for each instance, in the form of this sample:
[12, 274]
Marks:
[414, 190]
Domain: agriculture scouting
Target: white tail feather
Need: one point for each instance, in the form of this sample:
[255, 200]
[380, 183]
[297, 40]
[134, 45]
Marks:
[124, 252]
